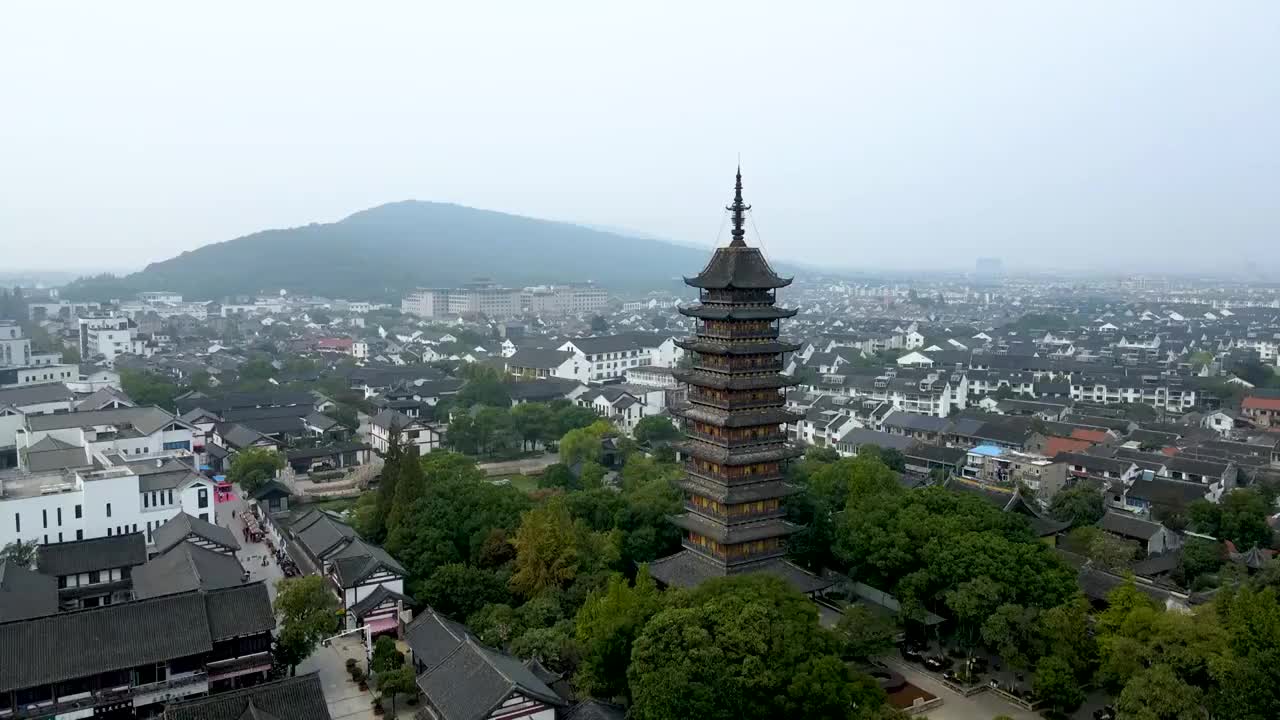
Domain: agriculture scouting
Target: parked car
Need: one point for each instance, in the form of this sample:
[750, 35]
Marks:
[937, 663]
[910, 653]
[1105, 713]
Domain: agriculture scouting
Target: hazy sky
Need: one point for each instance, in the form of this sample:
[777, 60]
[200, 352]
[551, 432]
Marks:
[1073, 134]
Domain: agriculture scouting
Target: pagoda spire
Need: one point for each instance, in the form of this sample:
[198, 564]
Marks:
[739, 210]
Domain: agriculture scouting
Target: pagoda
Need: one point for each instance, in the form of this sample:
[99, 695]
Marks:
[735, 449]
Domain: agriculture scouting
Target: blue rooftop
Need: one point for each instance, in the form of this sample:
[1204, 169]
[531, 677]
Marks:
[991, 450]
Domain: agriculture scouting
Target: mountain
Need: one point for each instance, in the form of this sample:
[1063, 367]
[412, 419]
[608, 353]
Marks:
[384, 251]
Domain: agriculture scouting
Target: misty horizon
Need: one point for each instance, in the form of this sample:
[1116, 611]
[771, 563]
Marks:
[1091, 138]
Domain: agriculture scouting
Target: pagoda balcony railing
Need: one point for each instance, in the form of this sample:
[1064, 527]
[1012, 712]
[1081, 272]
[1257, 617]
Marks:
[736, 555]
[729, 442]
[763, 331]
[735, 517]
[725, 404]
[732, 474]
[737, 297]
[719, 363]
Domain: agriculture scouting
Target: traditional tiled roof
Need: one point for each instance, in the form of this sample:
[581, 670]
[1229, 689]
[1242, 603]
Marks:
[1129, 526]
[688, 569]
[433, 637]
[379, 595]
[182, 526]
[25, 593]
[474, 680]
[186, 567]
[295, 698]
[538, 358]
[239, 611]
[71, 645]
[83, 556]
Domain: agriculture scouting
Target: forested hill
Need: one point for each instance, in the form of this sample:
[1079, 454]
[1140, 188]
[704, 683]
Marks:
[386, 250]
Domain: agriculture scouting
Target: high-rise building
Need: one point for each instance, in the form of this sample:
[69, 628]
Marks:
[475, 298]
[735, 446]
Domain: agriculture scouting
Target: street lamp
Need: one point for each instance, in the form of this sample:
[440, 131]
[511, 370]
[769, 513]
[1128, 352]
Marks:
[368, 639]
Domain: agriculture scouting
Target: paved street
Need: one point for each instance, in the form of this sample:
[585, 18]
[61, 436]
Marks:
[251, 553]
[345, 699]
[982, 706]
[524, 466]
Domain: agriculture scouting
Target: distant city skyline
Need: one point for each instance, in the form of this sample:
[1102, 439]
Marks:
[1078, 137]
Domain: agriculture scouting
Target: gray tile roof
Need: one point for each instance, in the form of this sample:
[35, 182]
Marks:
[35, 395]
[538, 358]
[433, 637]
[50, 453]
[295, 698]
[145, 420]
[320, 532]
[186, 567]
[474, 680]
[379, 595]
[359, 559]
[1128, 526]
[82, 556]
[25, 593]
[79, 644]
[688, 569]
[239, 611]
[182, 526]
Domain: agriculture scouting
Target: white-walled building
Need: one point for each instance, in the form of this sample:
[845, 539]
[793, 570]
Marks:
[109, 335]
[481, 298]
[417, 436]
[564, 299]
[65, 504]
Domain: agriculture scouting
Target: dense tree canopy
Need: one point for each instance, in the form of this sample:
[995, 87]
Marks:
[252, 467]
[739, 648]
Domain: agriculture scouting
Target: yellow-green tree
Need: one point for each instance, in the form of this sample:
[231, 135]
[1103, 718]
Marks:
[547, 552]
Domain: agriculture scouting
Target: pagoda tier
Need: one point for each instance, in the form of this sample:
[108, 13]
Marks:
[722, 381]
[712, 311]
[736, 447]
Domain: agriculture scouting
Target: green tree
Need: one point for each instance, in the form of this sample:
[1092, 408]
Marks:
[20, 553]
[345, 415]
[583, 444]
[1065, 630]
[1200, 557]
[484, 389]
[740, 648]
[606, 627]
[410, 487]
[307, 611]
[399, 681]
[253, 467]
[1080, 505]
[1056, 684]
[558, 475]
[392, 460]
[535, 423]
[385, 655]
[973, 601]
[865, 634]
[547, 552]
[1011, 632]
[148, 388]
[552, 645]
[656, 429]
[1112, 553]
[459, 590]
[1157, 693]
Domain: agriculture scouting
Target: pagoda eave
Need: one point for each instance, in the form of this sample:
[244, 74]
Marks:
[734, 418]
[726, 456]
[737, 494]
[720, 381]
[712, 347]
[734, 534]
[730, 312]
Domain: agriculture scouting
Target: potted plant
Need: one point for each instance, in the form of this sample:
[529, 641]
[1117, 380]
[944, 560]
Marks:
[377, 706]
[351, 662]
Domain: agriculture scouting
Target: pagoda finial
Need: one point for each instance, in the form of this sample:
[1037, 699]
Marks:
[739, 210]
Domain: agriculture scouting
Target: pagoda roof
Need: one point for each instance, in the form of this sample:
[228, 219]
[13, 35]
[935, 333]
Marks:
[725, 456]
[688, 569]
[734, 418]
[737, 494]
[740, 267]
[722, 381]
[717, 347]
[734, 534]
[732, 312]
